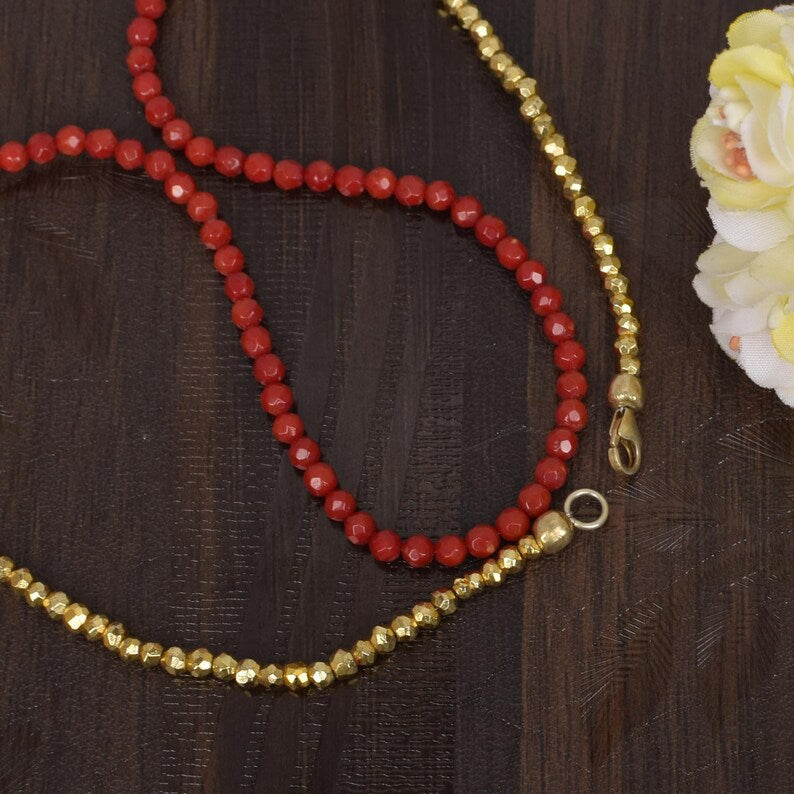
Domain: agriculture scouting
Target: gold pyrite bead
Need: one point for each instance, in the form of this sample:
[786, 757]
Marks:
[553, 531]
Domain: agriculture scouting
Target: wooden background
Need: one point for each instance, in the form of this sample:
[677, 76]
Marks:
[138, 473]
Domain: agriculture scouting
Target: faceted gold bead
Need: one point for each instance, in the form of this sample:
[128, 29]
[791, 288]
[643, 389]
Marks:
[529, 547]
[174, 661]
[499, 63]
[247, 674]
[553, 531]
[321, 675]
[510, 560]
[583, 207]
[511, 77]
[271, 676]
[593, 226]
[199, 663]
[55, 603]
[19, 580]
[477, 581]
[526, 87]
[404, 628]
[383, 639]
[467, 15]
[224, 667]
[74, 616]
[609, 266]
[627, 345]
[553, 146]
[445, 601]
[453, 5]
[35, 593]
[480, 29]
[151, 653]
[630, 364]
[462, 588]
[493, 574]
[627, 324]
[489, 46]
[604, 245]
[296, 676]
[573, 187]
[364, 653]
[130, 649]
[622, 304]
[543, 125]
[531, 108]
[626, 391]
[425, 615]
[6, 566]
[563, 166]
[114, 634]
[343, 664]
[95, 626]
[616, 284]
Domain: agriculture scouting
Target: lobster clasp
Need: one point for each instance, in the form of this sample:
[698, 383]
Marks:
[625, 442]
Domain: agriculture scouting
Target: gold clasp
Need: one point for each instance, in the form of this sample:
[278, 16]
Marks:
[625, 442]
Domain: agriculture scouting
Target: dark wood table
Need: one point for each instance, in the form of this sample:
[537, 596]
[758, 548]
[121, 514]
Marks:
[139, 475]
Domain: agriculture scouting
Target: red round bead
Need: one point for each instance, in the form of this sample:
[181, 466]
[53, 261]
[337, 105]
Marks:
[534, 499]
[303, 452]
[571, 385]
[100, 144]
[451, 551]
[489, 230]
[288, 174]
[546, 300]
[558, 327]
[13, 156]
[153, 9]
[200, 151]
[229, 161]
[41, 148]
[179, 187]
[215, 234]
[255, 341]
[339, 505]
[177, 133]
[360, 529]
[70, 140]
[140, 59]
[146, 86]
[238, 286]
[258, 167]
[159, 110]
[561, 443]
[482, 540]
[246, 312]
[277, 398]
[349, 180]
[510, 252]
[530, 275]
[287, 428]
[380, 182]
[385, 545]
[130, 154]
[142, 31]
[512, 524]
[269, 368]
[159, 164]
[466, 211]
[569, 355]
[319, 479]
[228, 259]
[439, 195]
[319, 176]
[551, 473]
[202, 207]
[410, 190]
[572, 414]
[418, 551]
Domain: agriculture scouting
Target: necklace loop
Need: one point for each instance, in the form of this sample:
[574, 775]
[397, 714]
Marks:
[592, 494]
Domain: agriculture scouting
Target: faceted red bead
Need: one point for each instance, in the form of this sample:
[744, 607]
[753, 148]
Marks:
[177, 133]
[277, 398]
[229, 259]
[268, 368]
[215, 234]
[380, 182]
[385, 545]
[569, 355]
[140, 59]
[439, 195]
[41, 147]
[288, 174]
[153, 9]
[512, 524]
[319, 176]
[466, 211]
[159, 110]
[146, 86]
[339, 505]
[451, 551]
[142, 31]
[510, 252]
[202, 207]
[410, 190]
[319, 479]
[558, 327]
[482, 540]
[246, 312]
[572, 414]
[349, 180]
[179, 187]
[258, 167]
[418, 551]
[546, 300]
[238, 286]
[287, 428]
[130, 154]
[303, 452]
[159, 164]
[13, 156]
[551, 473]
[70, 140]
[530, 275]
[489, 230]
[561, 443]
[360, 528]
[571, 385]
[100, 144]
[200, 151]
[255, 341]
[534, 499]
[229, 161]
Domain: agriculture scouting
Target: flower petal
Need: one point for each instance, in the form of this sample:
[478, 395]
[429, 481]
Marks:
[762, 363]
[751, 230]
[752, 59]
[755, 27]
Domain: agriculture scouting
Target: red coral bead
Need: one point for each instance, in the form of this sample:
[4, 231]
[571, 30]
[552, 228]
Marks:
[159, 110]
[200, 151]
[177, 133]
[530, 275]
[269, 368]
[255, 341]
[466, 211]
[571, 385]
[360, 529]
[349, 180]
[142, 31]
[130, 154]
[558, 327]
[534, 499]
[410, 190]
[512, 524]
[288, 174]
[439, 195]
[339, 505]
[159, 164]
[510, 252]
[551, 473]
[229, 161]
[258, 167]
[303, 452]
[179, 187]
[319, 176]
[140, 59]
[319, 479]
[569, 355]
[13, 156]
[41, 148]
[246, 312]
[380, 182]
[489, 230]
[70, 140]
[229, 259]
[287, 428]
[238, 286]
[561, 443]
[385, 545]
[146, 86]
[546, 300]
[100, 144]
[277, 398]
[202, 207]
[153, 9]
[482, 540]
[572, 414]
[418, 551]
[215, 234]
[451, 551]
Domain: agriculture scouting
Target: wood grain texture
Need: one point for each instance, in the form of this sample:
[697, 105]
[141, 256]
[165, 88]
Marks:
[139, 475]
